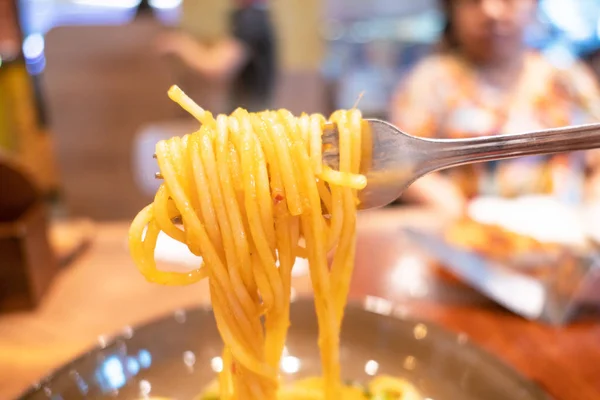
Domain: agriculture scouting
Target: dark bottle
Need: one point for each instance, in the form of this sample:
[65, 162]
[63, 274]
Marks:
[23, 127]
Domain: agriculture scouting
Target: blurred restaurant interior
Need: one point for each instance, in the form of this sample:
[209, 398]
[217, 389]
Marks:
[329, 53]
[83, 101]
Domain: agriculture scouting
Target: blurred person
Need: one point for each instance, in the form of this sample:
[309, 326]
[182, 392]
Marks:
[242, 63]
[483, 80]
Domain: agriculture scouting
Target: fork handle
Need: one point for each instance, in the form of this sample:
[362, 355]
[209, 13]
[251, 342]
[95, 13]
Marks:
[454, 152]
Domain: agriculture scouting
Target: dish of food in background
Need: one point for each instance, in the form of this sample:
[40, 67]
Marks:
[530, 233]
[542, 218]
[494, 241]
[510, 249]
[532, 255]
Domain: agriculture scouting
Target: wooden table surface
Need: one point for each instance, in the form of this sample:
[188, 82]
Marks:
[102, 292]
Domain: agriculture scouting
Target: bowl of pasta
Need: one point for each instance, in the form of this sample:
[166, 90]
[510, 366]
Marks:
[383, 355]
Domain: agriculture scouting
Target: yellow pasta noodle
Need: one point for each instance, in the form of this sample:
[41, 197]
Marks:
[249, 190]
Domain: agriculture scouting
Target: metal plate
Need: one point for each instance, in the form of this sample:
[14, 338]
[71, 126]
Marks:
[175, 355]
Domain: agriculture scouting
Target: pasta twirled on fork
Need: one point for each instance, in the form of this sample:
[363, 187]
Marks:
[252, 194]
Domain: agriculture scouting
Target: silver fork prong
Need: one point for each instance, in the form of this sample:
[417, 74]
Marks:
[331, 146]
[330, 143]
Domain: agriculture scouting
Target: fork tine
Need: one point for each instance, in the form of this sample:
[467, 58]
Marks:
[330, 143]
[331, 150]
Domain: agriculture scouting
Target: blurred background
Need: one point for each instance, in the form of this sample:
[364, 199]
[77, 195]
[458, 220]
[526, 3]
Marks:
[99, 83]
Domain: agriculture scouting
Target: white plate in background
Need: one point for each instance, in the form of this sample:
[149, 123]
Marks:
[540, 217]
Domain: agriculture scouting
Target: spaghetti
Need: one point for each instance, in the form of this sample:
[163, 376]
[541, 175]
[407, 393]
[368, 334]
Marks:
[246, 188]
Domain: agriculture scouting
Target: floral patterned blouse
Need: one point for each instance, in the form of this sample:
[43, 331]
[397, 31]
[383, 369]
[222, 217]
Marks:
[444, 97]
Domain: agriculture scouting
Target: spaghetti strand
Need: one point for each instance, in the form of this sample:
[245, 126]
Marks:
[252, 193]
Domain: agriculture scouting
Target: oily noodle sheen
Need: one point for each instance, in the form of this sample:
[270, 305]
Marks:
[249, 190]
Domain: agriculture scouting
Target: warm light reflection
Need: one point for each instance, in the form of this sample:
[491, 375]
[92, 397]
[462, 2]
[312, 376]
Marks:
[145, 388]
[378, 305]
[180, 316]
[420, 331]
[290, 364]
[216, 363]
[128, 332]
[401, 312]
[371, 367]
[409, 363]
[410, 276]
[102, 341]
[189, 358]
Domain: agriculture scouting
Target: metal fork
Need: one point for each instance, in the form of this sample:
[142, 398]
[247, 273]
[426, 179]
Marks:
[392, 160]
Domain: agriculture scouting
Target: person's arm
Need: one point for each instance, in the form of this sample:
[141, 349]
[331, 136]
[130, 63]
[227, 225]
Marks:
[416, 110]
[217, 62]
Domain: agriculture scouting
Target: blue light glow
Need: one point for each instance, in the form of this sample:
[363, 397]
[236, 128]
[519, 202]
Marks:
[36, 66]
[570, 17]
[83, 387]
[33, 46]
[133, 366]
[112, 375]
[560, 55]
[145, 358]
